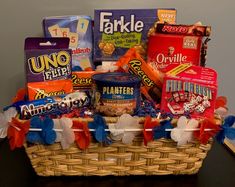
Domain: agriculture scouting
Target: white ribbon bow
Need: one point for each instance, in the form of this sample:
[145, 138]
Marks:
[118, 132]
[182, 133]
[5, 119]
[65, 135]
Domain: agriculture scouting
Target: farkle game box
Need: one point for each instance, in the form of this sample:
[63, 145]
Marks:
[115, 31]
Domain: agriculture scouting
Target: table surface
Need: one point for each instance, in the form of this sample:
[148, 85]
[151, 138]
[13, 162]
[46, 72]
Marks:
[218, 170]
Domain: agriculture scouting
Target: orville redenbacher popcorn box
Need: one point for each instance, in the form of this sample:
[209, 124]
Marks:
[189, 89]
[115, 31]
[176, 44]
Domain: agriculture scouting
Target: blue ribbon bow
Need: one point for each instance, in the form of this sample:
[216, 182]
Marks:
[46, 136]
[226, 129]
[160, 131]
[99, 125]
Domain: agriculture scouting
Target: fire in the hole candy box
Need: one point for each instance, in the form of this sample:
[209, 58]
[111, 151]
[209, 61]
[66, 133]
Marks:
[115, 31]
[190, 90]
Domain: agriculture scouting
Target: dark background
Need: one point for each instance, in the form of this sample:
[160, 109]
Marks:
[218, 169]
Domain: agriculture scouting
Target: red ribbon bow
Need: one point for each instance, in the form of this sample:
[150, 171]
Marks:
[83, 137]
[202, 135]
[16, 133]
[148, 124]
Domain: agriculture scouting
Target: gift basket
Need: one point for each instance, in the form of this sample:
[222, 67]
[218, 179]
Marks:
[134, 99]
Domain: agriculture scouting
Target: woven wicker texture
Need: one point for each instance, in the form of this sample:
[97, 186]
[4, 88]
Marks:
[161, 157]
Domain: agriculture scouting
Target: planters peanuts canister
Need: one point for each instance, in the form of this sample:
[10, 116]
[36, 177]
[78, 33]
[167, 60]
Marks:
[116, 93]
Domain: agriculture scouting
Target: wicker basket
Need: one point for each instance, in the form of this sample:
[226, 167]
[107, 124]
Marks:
[161, 157]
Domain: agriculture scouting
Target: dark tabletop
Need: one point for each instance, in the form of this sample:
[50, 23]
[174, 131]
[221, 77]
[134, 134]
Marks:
[218, 170]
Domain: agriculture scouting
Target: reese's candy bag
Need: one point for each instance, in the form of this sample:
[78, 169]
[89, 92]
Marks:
[82, 80]
[133, 63]
[40, 90]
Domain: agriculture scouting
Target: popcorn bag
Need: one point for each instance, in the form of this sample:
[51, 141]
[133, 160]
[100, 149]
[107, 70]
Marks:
[151, 110]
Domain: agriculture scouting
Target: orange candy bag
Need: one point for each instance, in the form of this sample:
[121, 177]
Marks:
[133, 63]
[39, 90]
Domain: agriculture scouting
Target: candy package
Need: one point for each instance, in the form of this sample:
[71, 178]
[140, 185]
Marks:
[40, 90]
[189, 89]
[79, 30]
[133, 63]
[54, 105]
[115, 31]
[176, 44]
[82, 80]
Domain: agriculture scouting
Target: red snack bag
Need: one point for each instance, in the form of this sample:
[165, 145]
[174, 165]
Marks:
[133, 63]
[39, 90]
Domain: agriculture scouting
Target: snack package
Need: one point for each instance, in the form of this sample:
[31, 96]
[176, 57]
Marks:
[40, 90]
[79, 30]
[189, 89]
[55, 105]
[176, 44]
[116, 93]
[115, 31]
[151, 80]
[47, 59]
[189, 30]
[82, 80]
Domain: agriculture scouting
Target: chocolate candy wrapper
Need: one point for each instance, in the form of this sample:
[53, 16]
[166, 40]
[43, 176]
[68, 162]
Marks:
[133, 63]
[51, 105]
[82, 80]
[40, 90]
[189, 30]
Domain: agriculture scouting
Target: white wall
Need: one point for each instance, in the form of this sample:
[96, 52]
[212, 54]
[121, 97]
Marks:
[22, 18]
